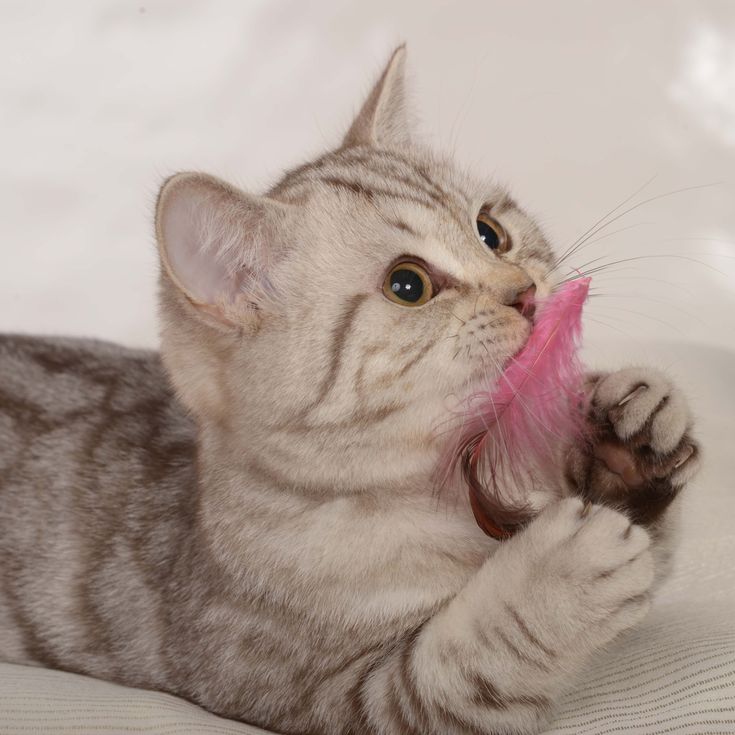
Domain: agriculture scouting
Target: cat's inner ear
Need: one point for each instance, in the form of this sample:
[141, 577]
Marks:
[383, 120]
[215, 243]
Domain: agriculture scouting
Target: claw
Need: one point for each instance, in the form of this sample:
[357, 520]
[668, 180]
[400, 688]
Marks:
[633, 393]
[686, 457]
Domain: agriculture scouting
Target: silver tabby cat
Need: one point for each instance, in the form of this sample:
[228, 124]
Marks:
[248, 521]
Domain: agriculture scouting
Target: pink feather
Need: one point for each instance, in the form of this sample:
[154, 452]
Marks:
[514, 431]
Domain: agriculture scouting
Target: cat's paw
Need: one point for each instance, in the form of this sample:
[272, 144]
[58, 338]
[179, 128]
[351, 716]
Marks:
[641, 452]
[591, 572]
[640, 411]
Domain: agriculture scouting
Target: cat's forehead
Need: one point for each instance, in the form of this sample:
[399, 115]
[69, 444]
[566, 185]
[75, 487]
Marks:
[414, 176]
[414, 192]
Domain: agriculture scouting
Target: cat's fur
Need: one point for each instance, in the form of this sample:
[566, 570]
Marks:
[263, 538]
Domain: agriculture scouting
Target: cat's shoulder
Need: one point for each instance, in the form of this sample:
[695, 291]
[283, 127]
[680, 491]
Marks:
[58, 355]
[62, 388]
[72, 371]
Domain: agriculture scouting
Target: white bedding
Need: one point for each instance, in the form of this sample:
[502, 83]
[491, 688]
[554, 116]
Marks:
[676, 674]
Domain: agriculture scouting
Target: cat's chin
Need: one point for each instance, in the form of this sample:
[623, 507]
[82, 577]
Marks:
[485, 377]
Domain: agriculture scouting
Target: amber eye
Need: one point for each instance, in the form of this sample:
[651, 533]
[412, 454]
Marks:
[492, 233]
[408, 284]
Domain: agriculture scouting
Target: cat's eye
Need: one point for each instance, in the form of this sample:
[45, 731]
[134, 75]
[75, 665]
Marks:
[408, 284]
[492, 233]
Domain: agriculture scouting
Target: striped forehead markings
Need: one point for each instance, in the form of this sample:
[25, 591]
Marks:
[343, 169]
[397, 177]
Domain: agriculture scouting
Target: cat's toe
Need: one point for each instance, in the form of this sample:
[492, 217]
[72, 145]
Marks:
[641, 405]
[669, 423]
[676, 466]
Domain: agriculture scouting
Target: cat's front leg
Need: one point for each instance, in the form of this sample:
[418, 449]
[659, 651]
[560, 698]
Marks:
[496, 657]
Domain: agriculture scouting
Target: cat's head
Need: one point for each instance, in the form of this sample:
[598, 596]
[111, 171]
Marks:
[345, 311]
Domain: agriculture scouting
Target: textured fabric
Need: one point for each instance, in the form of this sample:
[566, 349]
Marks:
[674, 674]
[41, 701]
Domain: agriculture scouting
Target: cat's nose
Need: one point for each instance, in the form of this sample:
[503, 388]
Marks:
[524, 301]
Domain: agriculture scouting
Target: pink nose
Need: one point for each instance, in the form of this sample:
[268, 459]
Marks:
[525, 302]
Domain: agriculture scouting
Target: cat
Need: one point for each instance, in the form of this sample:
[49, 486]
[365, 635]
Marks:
[247, 520]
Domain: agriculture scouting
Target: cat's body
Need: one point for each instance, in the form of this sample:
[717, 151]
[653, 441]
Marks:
[117, 577]
[98, 492]
[268, 543]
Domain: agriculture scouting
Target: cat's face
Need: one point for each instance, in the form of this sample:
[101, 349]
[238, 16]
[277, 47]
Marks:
[357, 302]
[389, 296]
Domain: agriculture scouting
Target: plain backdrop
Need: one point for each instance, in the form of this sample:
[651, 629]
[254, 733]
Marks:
[575, 105]
[578, 106]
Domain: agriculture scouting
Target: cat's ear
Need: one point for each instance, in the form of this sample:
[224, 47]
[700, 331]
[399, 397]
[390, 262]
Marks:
[215, 243]
[383, 120]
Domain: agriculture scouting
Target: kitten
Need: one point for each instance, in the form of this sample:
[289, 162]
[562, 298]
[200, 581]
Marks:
[248, 521]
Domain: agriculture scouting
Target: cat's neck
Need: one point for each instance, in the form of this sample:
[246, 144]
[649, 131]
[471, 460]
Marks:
[267, 510]
[321, 464]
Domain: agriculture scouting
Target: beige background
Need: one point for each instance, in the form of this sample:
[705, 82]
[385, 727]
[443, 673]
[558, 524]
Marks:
[574, 104]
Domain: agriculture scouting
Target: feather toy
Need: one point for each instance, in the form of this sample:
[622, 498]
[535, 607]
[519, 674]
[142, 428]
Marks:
[513, 432]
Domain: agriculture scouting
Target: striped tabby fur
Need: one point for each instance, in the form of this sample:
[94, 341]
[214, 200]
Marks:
[262, 537]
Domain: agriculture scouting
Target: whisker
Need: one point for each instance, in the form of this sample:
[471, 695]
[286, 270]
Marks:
[581, 268]
[618, 231]
[587, 242]
[577, 276]
[643, 314]
[611, 279]
[568, 251]
[670, 303]
[634, 258]
[497, 423]
[637, 206]
[608, 326]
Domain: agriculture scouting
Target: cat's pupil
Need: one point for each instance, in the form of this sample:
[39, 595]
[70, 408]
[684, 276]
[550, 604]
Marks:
[488, 235]
[407, 285]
